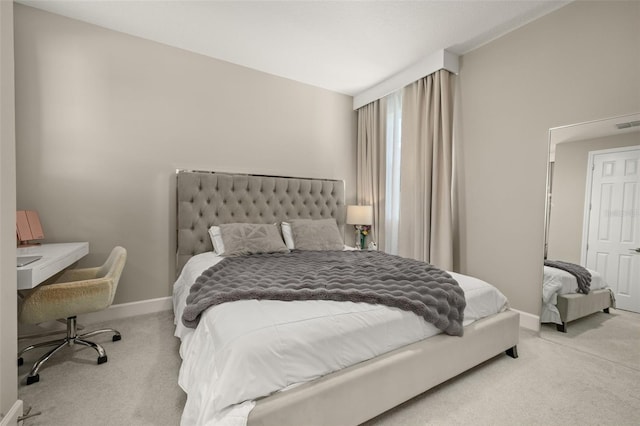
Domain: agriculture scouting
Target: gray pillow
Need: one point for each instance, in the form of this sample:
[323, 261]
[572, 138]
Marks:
[251, 238]
[322, 234]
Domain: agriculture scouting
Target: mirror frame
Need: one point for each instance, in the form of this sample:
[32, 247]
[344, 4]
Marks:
[576, 132]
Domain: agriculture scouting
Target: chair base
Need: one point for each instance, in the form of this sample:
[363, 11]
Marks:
[72, 339]
[33, 379]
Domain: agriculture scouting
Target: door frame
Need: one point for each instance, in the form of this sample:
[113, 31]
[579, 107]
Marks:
[588, 191]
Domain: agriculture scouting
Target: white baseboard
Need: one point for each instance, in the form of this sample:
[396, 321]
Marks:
[126, 310]
[150, 306]
[528, 321]
[11, 418]
[113, 312]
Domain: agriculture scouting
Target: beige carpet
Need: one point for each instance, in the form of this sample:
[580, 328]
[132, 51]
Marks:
[137, 386]
[614, 336]
[558, 380]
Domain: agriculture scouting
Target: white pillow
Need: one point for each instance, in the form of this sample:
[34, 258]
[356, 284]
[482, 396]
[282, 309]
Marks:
[287, 234]
[216, 240]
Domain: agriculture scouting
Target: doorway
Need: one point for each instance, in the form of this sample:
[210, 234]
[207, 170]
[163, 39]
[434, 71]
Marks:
[611, 234]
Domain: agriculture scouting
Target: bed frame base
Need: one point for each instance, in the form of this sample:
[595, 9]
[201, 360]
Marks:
[363, 391]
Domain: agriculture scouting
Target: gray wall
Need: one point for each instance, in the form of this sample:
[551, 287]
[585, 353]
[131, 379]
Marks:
[577, 64]
[8, 331]
[569, 188]
[104, 119]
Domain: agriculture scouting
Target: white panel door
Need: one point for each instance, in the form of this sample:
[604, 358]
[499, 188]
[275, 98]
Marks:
[614, 223]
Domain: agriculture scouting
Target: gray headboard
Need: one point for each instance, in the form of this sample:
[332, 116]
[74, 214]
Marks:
[208, 198]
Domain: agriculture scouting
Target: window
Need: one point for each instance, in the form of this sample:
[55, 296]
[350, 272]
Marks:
[392, 189]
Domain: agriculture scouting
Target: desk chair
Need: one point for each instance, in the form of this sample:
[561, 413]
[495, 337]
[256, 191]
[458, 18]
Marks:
[77, 291]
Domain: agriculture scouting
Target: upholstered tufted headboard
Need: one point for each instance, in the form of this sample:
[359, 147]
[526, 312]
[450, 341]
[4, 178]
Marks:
[207, 198]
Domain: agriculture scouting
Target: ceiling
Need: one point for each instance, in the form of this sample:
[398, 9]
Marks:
[591, 130]
[595, 129]
[343, 46]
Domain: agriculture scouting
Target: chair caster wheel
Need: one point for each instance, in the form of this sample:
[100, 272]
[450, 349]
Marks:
[20, 361]
[33, 379]
[102, 359]
[116, 338]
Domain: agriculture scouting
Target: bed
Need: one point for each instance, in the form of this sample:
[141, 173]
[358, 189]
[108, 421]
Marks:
[383, 350]
[561, 303]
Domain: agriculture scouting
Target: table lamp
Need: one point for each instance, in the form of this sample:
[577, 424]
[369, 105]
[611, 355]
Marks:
[362, 218]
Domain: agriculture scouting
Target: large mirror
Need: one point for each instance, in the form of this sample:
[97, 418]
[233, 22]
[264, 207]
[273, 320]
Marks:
[593, 206]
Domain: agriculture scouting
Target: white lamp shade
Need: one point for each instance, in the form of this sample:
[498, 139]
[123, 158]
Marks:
[360, 215]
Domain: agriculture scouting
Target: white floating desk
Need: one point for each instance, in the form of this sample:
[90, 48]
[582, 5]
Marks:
[55, 258]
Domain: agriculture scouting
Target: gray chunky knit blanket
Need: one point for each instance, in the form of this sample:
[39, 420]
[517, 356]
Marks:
[357, 276]
[583, 276]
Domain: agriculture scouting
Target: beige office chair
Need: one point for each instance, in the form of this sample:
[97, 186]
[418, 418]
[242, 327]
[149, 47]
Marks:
[77, 291]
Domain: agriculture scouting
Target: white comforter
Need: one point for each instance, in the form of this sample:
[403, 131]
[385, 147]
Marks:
[556, 282]
[243, 350]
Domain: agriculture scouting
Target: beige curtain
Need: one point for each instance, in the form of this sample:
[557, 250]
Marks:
[425, 229]
[371, 167]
